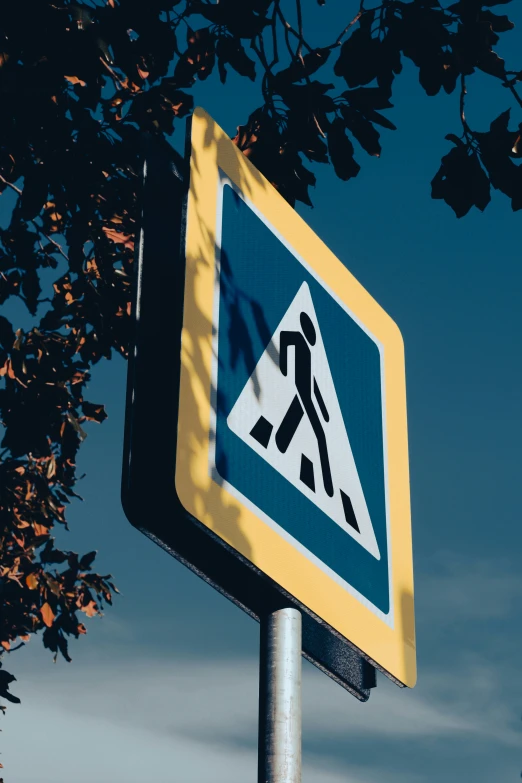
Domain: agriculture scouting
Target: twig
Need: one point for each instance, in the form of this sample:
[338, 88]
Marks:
[289, 29]
[300, 28]
[51, 240]
[511, 87]
[10, 184]
[113, 74]
[275, 54]
[321, 131]
[463, 93]
[287, 42]
[175, 24]
[362, 10]
[260, 51]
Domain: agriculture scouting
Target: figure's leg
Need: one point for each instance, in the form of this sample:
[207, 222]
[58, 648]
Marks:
[323, 448]
[289, 425]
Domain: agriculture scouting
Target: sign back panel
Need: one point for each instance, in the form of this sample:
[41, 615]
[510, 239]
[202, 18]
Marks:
[291, 441]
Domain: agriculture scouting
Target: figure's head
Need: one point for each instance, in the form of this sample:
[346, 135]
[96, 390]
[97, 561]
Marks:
[308, 328]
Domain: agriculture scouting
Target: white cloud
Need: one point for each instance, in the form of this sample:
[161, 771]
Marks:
[443, 705]
[130, 741]
[475, 589]
[191, 721]
[96, 749]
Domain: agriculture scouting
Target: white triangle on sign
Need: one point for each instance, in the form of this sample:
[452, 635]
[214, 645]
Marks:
[293, 421]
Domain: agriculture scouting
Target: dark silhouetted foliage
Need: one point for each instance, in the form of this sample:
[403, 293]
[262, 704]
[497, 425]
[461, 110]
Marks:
[79, 83]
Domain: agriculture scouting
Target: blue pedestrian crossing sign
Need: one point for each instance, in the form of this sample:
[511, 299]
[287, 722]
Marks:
[292, 436]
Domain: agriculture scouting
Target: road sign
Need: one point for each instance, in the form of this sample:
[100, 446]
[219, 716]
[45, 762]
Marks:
[287, 445]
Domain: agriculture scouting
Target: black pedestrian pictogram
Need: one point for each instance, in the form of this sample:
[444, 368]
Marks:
[349, 513]
[307, 472]
[289, 404]
[303, 402]
[261, 431]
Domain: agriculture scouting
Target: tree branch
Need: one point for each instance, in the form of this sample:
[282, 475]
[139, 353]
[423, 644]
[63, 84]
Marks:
[289, 29]
[362, 10]
[513, 90]
[300, 28]
[57, 245]
[462, 101]
[275, 54]
[10, 184]
[113, 74]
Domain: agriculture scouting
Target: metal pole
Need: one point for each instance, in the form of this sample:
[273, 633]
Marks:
[279, 758]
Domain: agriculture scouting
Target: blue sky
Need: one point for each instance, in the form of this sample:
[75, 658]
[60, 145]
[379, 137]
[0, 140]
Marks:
[165, 686]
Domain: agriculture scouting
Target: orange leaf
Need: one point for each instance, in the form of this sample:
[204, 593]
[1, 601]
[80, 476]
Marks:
[130, 85]
[25, 637]
[47, 614]
[90, 609]
[6, 645]
[40, 530]
[119, 237]
[75, 80]
[82, 628]
[31, 581]
[93, 267]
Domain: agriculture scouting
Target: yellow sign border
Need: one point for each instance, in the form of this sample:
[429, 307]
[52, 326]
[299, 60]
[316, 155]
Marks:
[392, 649]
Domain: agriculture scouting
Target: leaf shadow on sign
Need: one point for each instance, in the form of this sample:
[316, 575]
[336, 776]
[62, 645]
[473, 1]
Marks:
[408, 626]
[242, 337]
[223, 516]
[198, 357]
[197, 362]
[239, 168]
